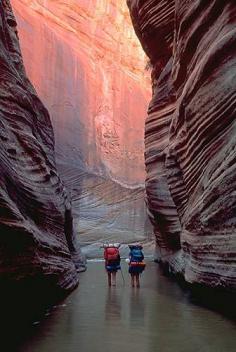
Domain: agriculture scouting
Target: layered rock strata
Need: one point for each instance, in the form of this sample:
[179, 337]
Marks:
[37, 237]
[106, 211]
[193, 121]
[88, 67]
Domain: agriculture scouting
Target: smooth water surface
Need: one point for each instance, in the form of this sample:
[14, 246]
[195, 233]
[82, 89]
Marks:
[156, 317]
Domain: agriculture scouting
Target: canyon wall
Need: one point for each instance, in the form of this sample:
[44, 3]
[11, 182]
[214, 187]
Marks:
[89, 69]
[190, 135]
[37, 236]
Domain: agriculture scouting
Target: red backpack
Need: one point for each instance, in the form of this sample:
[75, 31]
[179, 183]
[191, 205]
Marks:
[112, 253]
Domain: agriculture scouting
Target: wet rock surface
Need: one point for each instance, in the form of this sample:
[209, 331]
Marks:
[190, 135]
[106, 211]
[37, 242]
[89, 69]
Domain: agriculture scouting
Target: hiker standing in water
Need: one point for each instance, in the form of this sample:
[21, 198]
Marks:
[136, 264]
[112, 262]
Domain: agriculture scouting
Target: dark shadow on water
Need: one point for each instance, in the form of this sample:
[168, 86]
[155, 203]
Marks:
[22, 307]
[219, 300]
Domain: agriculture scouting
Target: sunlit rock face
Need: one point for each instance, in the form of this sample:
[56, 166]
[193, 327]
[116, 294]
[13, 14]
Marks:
[191, 129]
[37, 239]
[89, 68]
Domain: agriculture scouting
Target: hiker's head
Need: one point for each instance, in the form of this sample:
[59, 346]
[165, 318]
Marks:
[135, 246]
[111, 245]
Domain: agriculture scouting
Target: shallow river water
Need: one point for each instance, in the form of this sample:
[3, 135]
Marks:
[156, 317]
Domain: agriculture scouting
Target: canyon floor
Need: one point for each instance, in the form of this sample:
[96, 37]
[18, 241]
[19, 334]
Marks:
[160, 316]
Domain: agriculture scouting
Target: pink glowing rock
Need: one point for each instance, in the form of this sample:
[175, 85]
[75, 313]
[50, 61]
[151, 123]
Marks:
[86, 63]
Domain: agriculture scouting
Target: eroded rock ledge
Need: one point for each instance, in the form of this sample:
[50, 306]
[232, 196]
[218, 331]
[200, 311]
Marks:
[37, 240]
[190, 134]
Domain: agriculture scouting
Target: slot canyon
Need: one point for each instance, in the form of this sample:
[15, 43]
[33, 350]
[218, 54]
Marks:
[117, 125]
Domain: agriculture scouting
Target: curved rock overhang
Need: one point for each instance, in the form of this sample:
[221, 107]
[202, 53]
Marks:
[190, 134]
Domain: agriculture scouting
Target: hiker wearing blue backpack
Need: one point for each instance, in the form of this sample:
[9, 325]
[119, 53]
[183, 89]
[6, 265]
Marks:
[136, 264]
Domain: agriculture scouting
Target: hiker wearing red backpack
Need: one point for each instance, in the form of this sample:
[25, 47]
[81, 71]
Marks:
[136, 264]
[112, 262]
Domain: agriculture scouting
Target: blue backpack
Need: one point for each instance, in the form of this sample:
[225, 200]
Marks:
[136, 254]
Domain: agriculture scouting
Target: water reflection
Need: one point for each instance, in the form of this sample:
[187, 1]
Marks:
[112, 305]
[157, 317]
[137, 307]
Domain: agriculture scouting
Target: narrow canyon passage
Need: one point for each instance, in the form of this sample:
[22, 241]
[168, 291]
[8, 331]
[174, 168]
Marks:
[157, 317]
[82, 163]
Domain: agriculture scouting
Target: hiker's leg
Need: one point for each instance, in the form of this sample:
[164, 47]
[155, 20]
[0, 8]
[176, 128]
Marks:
[109, 278]
[113, 278]
[132, 279]
[137, 280]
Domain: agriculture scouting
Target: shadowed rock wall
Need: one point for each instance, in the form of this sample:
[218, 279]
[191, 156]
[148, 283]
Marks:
[190, 134]
[37, 239]
[88, 67]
